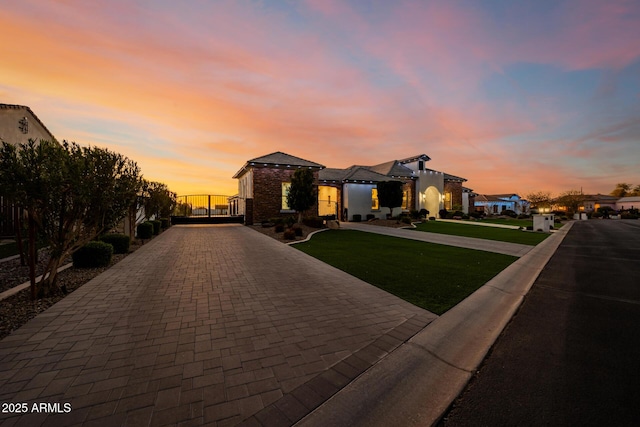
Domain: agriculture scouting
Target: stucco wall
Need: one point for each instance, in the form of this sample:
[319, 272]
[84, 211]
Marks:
[10, 126]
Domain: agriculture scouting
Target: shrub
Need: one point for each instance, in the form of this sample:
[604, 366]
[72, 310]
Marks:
[92, 255]
[523, 216]
[156, 226]
[370, 217]
[406, 220]
[164, 223]
[279, 228]
[290, 220]
[120, 242]
[530, 227]
[443, 213]
[289, 234]
[432, 218]
[315, 222]
[477, 214]
[276, 220]
[357, 218]
[597, 215]
[509, 212]
[423, 213]
[297, 230]
[465, 216]
[144, 230]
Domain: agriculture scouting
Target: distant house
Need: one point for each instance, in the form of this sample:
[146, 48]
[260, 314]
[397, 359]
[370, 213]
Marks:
[263, 183]
[592, 202]
[625, 203]
[494, 204]
[18, 124]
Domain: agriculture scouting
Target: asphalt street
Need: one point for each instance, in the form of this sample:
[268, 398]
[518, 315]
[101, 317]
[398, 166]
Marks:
[571, 354]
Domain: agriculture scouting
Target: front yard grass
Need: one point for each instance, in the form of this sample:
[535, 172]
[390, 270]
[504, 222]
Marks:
[434, 277]
[513, 221]
[480, 232]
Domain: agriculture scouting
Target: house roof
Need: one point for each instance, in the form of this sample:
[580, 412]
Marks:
[24, 107]
[354, 173]
[278, 159]
[601, 197]
[392, 168]
[449, 177]
[489, 198]
[423, 157]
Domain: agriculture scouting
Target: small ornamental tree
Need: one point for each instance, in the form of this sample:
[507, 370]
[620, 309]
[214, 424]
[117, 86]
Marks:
[302, 192]
[157, 200]
[71, 195]
[571, 200]
[390, 194]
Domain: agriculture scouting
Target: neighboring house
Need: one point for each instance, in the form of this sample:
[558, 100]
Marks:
[494, 204]
[592, 202]
[632, 202]
[18, 124]
[264, 181]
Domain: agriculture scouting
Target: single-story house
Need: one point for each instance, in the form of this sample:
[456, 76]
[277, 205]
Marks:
[263, 183]
[494, 204]
[625, 203]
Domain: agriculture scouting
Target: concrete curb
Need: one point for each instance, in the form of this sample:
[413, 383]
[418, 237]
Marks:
[25, 285]
[417, 383]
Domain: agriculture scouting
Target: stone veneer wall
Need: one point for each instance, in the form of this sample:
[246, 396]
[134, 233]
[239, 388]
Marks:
[410, 186]
[456, 192]
[267, 192]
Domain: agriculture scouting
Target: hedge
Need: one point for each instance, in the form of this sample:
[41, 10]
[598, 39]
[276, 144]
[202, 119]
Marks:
[120, 242]
[144, 230]
[92, 255]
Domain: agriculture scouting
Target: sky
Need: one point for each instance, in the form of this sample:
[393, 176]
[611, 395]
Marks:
[516, 97]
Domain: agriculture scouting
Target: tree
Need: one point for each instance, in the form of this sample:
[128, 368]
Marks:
[571, 200]
[622, 190]
[390, 194]
[157, 200]
[540, 199]
[302, 192]
[71, 194]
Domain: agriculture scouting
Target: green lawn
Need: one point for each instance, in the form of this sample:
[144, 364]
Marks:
[480, 232]
[434, 277]
[512, 221]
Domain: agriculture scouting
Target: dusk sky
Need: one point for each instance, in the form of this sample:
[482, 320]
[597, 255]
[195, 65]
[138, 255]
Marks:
[515, 96]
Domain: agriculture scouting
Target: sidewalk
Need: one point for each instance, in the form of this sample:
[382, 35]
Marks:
[505, 248]
[415, 384]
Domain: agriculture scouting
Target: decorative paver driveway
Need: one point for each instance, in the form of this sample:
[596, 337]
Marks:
[215, 325]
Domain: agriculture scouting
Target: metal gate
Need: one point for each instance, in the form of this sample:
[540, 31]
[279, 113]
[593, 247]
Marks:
[202, 206]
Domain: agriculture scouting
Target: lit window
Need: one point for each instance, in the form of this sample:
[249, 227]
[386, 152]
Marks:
[374, 199]
[405, 200]
[447, 200]
[285, 191]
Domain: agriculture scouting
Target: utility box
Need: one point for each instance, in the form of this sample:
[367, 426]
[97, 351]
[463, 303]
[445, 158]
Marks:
[582, 216]
[543, 223]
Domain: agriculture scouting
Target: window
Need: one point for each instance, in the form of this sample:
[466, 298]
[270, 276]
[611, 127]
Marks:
[285, 191]
[447, 200]
[375, 205]
[405, 200]
[495, 208]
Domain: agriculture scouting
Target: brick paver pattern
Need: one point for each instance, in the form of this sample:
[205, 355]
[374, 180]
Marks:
[204, 325]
